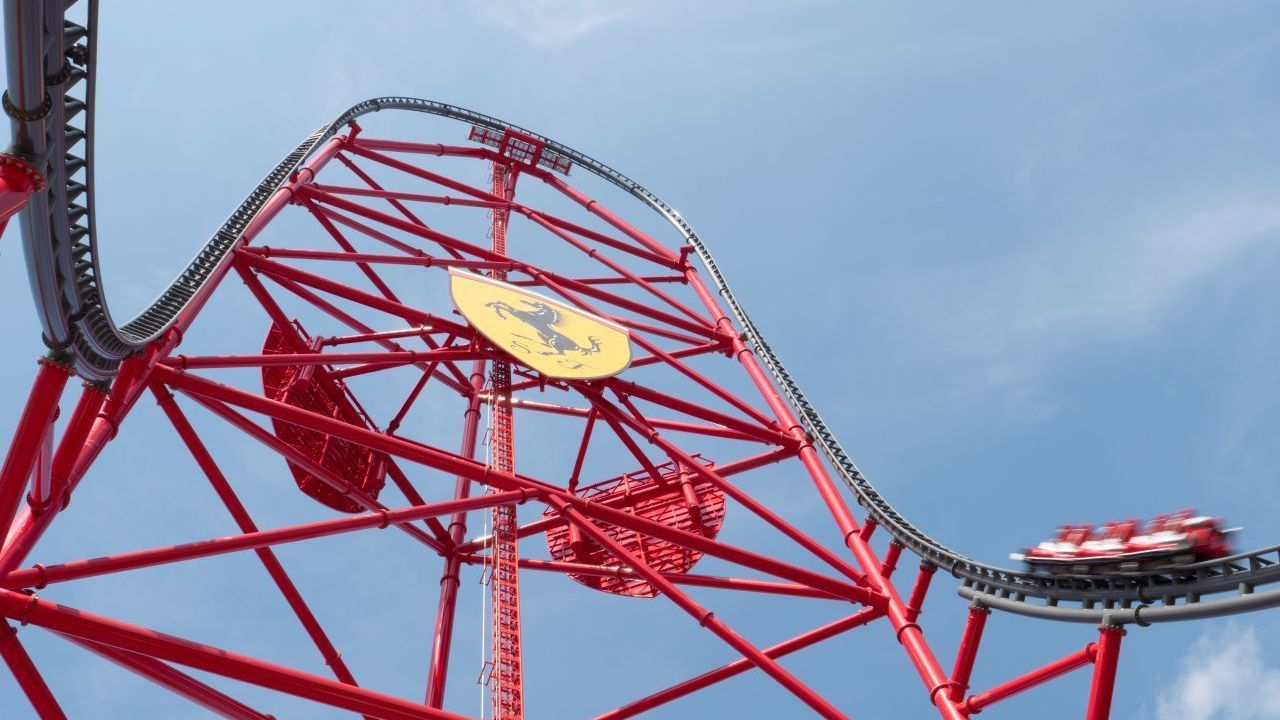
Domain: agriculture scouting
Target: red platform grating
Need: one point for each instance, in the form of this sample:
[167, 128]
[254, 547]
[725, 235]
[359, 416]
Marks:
[311, 388]
[640, 494]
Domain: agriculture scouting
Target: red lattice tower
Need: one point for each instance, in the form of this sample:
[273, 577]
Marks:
[506, 686]
[366, 396]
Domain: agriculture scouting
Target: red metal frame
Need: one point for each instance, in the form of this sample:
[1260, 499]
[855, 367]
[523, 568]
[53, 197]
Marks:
[672, 419]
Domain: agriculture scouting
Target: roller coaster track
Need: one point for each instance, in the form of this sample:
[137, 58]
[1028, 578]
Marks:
[51, 57]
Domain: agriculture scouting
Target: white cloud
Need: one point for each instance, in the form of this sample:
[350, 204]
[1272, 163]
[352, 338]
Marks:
[1121, 281]
[1025, 318]
[550, 24]
[1223, 682]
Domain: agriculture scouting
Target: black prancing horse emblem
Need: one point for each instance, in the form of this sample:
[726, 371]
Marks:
[544, 320]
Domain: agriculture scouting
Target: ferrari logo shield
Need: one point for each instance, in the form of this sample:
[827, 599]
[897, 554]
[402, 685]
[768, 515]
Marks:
[549, 336]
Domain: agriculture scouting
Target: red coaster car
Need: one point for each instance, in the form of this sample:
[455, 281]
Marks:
[1126, 547]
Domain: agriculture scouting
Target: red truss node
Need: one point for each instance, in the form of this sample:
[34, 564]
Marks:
[677, 499]
[312, 388]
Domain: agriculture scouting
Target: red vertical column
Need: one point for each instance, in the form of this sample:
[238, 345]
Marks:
[438, 671]
[506, 688]
[1104, 672]
[42, 403]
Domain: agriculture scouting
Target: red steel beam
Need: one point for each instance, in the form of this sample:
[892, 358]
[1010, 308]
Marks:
[144, 641]
[384, 357]
[456, 383]
[175, 681]
[967, 653]
[28, 677]
[757, 508]
[726, 470]
[321, 473]
[133, 373]
[37, 415]
[710, 581]
[909, 634]
[705, 617]
[666, 424]
[1104, 672]
[421, 260]
[204, 459]
[737, 667]
[442, 638]
[207, 390]
[976, 703]
[90, 567]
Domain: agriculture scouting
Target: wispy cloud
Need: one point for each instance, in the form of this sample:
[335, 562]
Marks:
[551, 24]
[1223, 682]
[1111, 284]
[1120, 282]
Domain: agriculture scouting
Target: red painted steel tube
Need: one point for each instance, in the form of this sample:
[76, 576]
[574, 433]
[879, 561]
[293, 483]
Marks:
[609, 280]
[908, 633]
[450, 463]
[346, 246]
[626, 274]
[435, 236]
[28, 677]
[442, 638]
[891, 557]
[384, 194]
[605, 214]
[246, 524]
[1104, 672]
[976, 703]
[456, 383]
[695, 579]
[698, 325]
[404, 312]
[665, 424]
[82, 624]
[737, 667]
[374, 185]
[454, 244]
[743, 498]
[385, 357]
[763, 433]
[321, 473]
[173, 680]
[41, 491]
[725, 470]
[705, 618]
[968, 651]
[73, 439]
[31, 525]
[915, 601]
[440, 149]
[421, 259]
[37, 414]
[77, 569]
[393, 195]
[133, 372]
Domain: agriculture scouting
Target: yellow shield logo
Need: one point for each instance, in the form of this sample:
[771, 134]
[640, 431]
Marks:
[549, 336]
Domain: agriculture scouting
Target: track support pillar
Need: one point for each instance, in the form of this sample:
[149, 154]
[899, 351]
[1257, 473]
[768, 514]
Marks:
[1104, 671]
[42, 404]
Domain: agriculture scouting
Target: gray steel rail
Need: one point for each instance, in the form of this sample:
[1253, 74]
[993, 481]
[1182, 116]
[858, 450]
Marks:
[61, 251]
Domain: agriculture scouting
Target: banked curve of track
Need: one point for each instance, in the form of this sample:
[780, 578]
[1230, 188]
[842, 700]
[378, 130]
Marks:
[65, 281]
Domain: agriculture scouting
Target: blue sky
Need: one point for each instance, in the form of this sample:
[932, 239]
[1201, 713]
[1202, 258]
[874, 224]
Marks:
[1018, 255]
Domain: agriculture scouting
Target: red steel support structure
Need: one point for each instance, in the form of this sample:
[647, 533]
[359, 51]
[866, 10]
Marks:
[364, 355]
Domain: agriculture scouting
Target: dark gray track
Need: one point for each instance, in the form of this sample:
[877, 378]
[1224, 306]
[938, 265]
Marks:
[49, 54]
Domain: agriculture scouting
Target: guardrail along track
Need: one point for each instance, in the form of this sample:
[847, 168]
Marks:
[51, 66]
